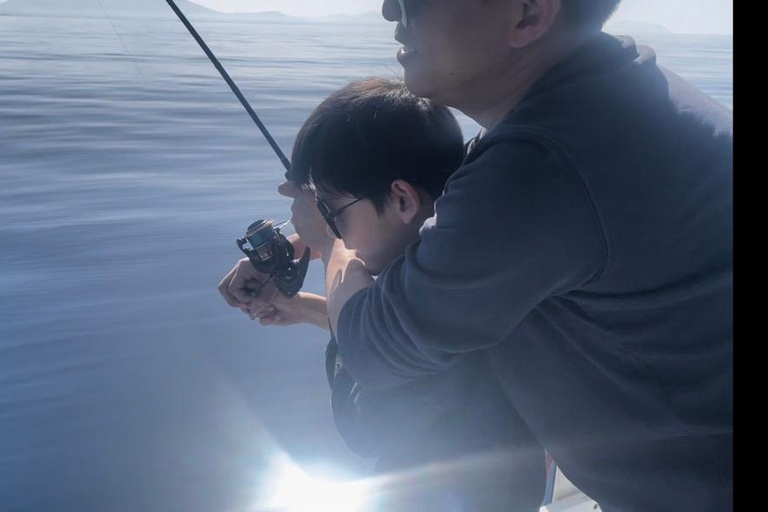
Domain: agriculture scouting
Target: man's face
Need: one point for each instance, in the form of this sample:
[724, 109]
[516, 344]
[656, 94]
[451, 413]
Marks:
[451, 47]
[377, 239]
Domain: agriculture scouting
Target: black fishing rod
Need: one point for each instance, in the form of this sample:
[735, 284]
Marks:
[268, 250]
[235, 89]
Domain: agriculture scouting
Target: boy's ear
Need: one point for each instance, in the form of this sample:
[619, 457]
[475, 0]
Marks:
[405, 199]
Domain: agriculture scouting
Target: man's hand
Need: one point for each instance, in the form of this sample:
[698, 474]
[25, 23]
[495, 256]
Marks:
[345, 275]
[306, 218]
[246, 288]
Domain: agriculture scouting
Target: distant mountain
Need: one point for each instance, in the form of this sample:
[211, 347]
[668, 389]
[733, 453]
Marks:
[159, 9]
[132, 8]
[365, 16]
[261, 16]
[629, 27]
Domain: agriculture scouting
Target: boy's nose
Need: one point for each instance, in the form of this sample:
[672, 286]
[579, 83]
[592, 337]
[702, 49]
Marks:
[287, 189]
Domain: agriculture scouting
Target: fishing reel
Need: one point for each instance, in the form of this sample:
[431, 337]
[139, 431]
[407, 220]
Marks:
[272, 254]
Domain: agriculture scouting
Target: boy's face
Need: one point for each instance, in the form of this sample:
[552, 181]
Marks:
[377, 239]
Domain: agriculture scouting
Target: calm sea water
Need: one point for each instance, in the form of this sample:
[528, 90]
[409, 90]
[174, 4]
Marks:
[127, 170]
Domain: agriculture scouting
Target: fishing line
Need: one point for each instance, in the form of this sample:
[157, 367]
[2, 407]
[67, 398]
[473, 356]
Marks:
[114, 29]
[233, 87]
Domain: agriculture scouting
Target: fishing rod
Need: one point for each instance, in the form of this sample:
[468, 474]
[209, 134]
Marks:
[267, 249]
[235, 89]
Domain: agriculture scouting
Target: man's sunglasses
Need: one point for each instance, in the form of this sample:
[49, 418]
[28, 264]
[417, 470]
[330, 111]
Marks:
[403, 12]
[411, 8]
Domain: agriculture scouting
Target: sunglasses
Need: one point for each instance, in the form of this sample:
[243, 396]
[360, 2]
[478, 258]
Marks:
[409, 9]
[330, 216]
[403, 13]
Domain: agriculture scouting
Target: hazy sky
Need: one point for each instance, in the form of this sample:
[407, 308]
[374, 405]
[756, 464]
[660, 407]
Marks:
[683, 16]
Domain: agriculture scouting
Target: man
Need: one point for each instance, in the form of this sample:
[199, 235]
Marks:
[585, 245]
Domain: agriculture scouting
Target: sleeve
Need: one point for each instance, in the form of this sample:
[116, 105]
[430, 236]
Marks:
[515, 226]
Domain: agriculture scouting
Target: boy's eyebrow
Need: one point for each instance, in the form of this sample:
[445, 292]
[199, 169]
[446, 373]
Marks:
[325, 196]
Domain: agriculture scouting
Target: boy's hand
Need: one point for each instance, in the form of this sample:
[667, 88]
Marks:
[280, 311]
[246, 288]
[303, 308]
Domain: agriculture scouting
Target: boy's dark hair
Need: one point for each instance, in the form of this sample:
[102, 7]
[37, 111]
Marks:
[588, 14]
[371, 133]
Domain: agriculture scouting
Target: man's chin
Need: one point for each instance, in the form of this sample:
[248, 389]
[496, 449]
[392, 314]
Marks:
[419, 86]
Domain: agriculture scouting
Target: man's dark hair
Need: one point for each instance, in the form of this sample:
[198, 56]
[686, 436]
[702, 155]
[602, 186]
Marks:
[371, 133]
[588, 14]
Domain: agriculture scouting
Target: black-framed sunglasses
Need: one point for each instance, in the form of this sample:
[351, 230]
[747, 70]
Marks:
[410, 9]
[403, 12]
[330, 216]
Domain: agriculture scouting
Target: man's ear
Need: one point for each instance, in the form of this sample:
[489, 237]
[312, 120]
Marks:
[532, 20]
[405, 200]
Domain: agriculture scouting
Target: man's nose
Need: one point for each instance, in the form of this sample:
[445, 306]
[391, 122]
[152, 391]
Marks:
[390, 9]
